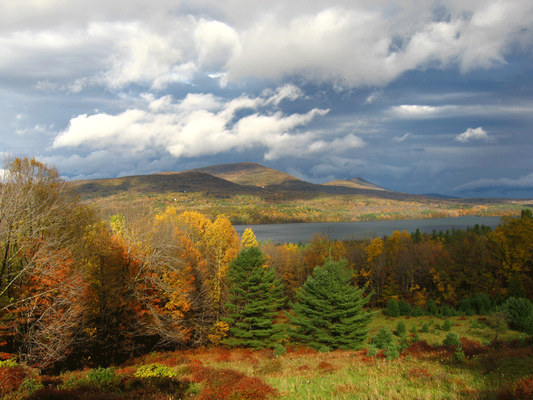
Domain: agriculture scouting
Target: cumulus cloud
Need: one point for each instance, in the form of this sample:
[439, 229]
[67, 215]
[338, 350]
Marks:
[473, 134]
[202, 124]
[351, 44]
[523, 183]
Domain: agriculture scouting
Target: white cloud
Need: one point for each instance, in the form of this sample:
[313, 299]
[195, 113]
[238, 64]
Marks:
[202, 124]
[401, 138]
[473, 134]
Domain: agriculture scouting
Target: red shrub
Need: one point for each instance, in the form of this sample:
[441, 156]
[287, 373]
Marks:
[524, 389]
[472, 348]
[11, 378]
[223, 356]
[326, 367]
[229, 384]
[6, 356]
[418, 373]
[51, 381]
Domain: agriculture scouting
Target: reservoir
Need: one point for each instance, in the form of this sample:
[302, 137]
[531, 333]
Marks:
[302, 232]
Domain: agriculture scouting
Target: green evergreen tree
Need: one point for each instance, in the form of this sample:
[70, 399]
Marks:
[255, 297]
[329, 311]
[392, 308]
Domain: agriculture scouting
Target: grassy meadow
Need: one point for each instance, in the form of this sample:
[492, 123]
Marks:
[487, 365]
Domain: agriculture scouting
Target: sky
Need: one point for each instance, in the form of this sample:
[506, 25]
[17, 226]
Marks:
[415, 96]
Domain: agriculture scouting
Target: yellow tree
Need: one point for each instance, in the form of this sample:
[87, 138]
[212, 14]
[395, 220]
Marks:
[375, 261]
[222, 246]
[163, 283]
[287, 259]
[513, 245]
[248, 239]
[218, 244]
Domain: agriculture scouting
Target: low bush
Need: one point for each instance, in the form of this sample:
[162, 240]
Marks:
[391, 351]
[447, 311]
[451, 339]
[401, 328]
[524, 389]
[447, 325]
[279, 350]
[417, 311]
[383, 338]
[102, 378]
[517, 312]
[392, 309]
[11, 376]
[459, 354]
[431, 307]
[405, 307]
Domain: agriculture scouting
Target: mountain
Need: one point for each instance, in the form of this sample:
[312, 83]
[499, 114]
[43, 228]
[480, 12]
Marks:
[358, 183]
[249, 173]
[226, 180]
[188, 181]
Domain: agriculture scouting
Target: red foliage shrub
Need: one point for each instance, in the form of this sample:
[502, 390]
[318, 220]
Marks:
[472, 348]
[6, 356]
[51, 381]
[462, 318]
[11, 378]
[301, 351]
[418, 349]
[229, 384]
[367, 360]
[224, 355]
[326, 367]
[302, 368]
[418, 373]
[524, 389]
[72, 394]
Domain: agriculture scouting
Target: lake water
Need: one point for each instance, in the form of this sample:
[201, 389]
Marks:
[302, 232]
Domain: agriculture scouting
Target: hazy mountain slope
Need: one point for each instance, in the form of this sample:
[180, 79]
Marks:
[358, 183]
[189, 181]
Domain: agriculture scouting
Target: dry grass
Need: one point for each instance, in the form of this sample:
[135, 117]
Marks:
[425, 370]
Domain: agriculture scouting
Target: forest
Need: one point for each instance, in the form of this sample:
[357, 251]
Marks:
[78, 290]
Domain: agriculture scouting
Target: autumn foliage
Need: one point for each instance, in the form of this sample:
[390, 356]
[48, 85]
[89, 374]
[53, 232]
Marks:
[79, 289]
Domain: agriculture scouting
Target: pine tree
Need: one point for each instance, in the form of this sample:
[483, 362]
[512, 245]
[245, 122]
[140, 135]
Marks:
[255, 297]
[329, 311]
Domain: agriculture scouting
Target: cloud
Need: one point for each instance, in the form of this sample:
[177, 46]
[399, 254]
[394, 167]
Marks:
[347, 44]
[473, 134]
[523, 183]
[401, 138]
[202, 124]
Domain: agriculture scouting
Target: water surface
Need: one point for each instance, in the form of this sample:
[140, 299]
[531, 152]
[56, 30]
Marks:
[302, 232]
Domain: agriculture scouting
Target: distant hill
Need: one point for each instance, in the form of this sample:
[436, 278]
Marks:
[248, 173]
[358, 183]
[188, 181]
[227, 180]
[440, 196]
